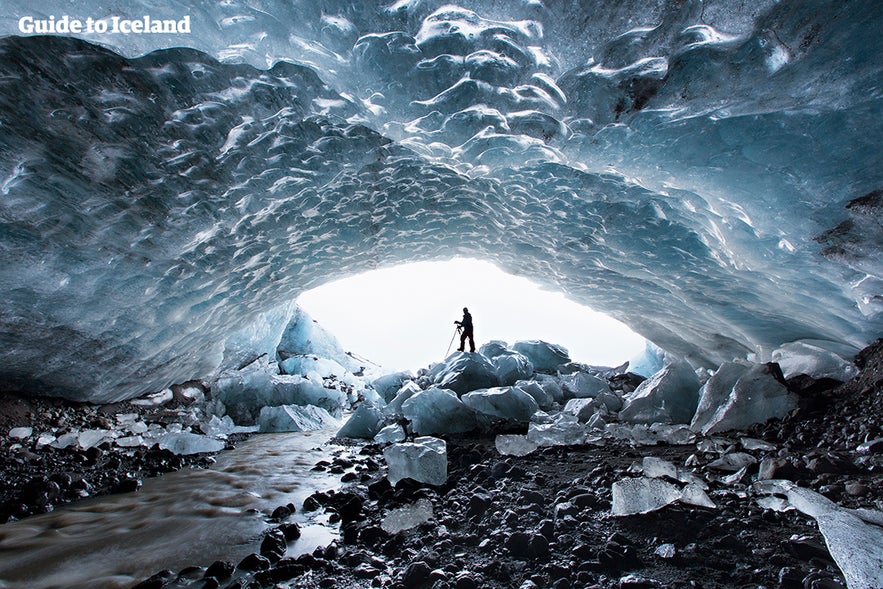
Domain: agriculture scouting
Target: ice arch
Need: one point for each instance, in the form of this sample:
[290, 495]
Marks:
[719, 193]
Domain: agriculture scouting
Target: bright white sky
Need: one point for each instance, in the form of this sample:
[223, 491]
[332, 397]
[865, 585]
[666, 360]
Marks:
[403, 317]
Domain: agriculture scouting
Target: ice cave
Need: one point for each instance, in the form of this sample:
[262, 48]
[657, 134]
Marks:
[709, 173]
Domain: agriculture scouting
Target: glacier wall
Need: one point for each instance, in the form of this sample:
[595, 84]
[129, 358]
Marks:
[708, 174]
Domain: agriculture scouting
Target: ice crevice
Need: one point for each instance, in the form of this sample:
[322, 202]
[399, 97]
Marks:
[708, 176]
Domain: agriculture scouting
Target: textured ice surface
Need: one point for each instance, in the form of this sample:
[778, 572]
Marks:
[190, 443]
[493, 348]
[708, 173]
[365, 422]
[463, 372]
[533, 388]
[669, 396]
[642, 495]
[508, 404]
[514, 445]
[438, 411]
[654, 468]
[160, 398]
[407, 517]
[388, 385]
[389, 434]
[394, 407]
[512, 367]
[563, 430]
[581, 385]
[854, 544]
[20, 433]
[545, 356]
[424, 460]
[294, 418]
[816, 360]
[245, 392]
[303, 336]
[755, 397]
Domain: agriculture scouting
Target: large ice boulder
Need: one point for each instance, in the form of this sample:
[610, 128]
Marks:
[581, 385]
[295, 418]
[755, 397]
[533, 388]
[493, 348]
[669, 396]
[512, 367]
[509, 404]
[394, 407]
[424, 460]
[438, 411]
[816, 359]
[365, 422]
[389, 384]
[551, 386]
[464, 371]
[545, 356]
[243, 393]
[562, 429]
[303, 336]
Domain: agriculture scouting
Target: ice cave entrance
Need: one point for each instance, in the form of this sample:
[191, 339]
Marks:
[402, 317]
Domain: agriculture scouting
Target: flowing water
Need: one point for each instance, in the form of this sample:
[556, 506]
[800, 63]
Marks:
[180, 519]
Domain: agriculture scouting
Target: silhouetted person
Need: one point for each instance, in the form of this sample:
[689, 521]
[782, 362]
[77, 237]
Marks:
[465, 328]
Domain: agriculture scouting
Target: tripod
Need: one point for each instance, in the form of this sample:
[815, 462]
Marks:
[456, 331]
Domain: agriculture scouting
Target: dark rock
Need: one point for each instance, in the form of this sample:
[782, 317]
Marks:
[273, 546]
[348, 505]
[220, 569]
[373, 535]
[478, 505]
[254, 562]
[466, 580]
[806, 549]
[524, 545]
[290, 530]
[280, 513]
[156, 581]
[547, 529]
[790, 578]
[286, 569]
[365, 571]
[314, 501]
[416, 575]
[856, 489]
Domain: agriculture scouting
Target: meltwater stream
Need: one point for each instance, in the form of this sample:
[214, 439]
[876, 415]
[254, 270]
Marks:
[189, 517]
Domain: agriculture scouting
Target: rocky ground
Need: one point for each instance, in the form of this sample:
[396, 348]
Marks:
[544, 519]
[35, 476]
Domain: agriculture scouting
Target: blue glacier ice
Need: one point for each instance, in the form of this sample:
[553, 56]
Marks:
[424, 460]
[438, 411]
[501, 404]
[669, 396]
[462, 372]
[365, 422]
[707, 172]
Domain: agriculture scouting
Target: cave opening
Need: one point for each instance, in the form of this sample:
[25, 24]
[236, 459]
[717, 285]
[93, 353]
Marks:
[401, 317]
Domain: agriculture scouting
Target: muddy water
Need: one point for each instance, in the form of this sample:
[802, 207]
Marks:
[180, 519]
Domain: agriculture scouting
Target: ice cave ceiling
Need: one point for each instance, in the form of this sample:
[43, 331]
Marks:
[709, 174]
